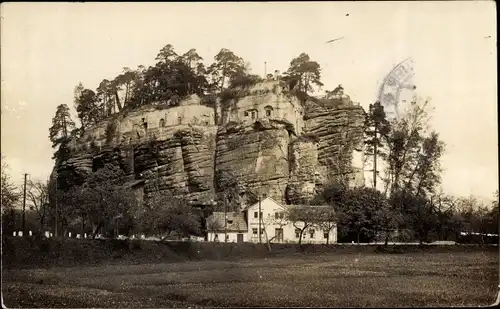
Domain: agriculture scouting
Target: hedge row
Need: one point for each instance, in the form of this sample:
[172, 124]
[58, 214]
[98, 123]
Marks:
[30, 252]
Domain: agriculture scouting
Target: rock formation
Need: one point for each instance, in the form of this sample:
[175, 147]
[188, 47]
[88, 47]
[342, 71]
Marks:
[264, 138]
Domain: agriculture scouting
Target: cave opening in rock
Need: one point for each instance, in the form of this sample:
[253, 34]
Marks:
[269, 111]
[97, 164]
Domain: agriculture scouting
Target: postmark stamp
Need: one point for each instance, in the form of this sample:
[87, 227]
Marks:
[398, 81]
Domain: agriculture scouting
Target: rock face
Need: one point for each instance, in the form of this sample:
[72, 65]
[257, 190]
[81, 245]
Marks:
[338, 125]
[265, 139]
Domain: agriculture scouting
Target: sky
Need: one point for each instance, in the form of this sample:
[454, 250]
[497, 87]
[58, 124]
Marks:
[47, 48]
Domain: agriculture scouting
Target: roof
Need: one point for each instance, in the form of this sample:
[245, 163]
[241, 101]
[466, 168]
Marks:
[287, 206]
[236, 222]
[267, 198]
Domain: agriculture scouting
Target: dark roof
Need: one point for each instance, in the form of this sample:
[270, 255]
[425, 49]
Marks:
[309, 206]
[287, 205]
[236, 222]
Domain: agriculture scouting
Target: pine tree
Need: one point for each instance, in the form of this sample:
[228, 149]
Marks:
[60, 131]
[376, 128]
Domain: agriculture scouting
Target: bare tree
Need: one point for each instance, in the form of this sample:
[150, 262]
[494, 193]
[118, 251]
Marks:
[213, 224]
[327, 220]
[9, 192]
[303, 217]
[37, 193]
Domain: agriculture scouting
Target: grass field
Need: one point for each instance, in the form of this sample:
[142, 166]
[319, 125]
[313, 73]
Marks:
[329, 279]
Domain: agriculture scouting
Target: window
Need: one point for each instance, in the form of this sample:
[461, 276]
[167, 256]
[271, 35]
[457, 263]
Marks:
[297, 233]
[227, 237]
[261, 214]
[261, 231]
[255, 214]
[162, 123]
[278, 215]
[216, 238]
[325, 235]
[254, 231]
[269, 111]
[179, 119]
[311, 233]
[229, 221]
[246, 113]
[254, 114]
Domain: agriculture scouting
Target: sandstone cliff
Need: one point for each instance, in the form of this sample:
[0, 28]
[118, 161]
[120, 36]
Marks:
[264, 137]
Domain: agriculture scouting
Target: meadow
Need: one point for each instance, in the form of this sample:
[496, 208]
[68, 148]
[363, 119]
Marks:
[323, 279]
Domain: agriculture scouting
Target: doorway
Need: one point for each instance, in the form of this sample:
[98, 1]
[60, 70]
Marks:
[239, 237]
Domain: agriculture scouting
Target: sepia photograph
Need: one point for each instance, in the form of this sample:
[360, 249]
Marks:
[249, 154]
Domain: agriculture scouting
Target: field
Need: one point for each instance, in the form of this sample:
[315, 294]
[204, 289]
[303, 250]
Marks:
[362, 279]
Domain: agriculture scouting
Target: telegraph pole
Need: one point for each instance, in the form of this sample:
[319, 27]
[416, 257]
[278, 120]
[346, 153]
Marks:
[225, 218]
[375, 158]
[260, 228]
[55, 225]
[24, 204]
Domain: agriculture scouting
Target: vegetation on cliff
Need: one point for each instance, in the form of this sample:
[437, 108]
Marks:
[175, 76]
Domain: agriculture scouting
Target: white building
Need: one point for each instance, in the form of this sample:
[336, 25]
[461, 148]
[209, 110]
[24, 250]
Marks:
[274, 226]
[235, 228]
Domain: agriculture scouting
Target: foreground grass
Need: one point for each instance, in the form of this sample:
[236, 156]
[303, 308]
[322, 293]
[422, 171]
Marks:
[323, 280]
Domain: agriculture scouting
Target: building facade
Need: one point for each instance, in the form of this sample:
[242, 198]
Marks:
[274, 226]
[234, 229]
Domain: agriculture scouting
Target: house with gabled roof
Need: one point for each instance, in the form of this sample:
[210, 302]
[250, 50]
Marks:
[230, 225]
[274, 224]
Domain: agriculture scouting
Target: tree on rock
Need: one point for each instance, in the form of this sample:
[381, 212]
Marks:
[304, 72]
[191, 58]
[226, 66]
[59, 132]
[166, 54]
[87, 108]
[105, 97]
